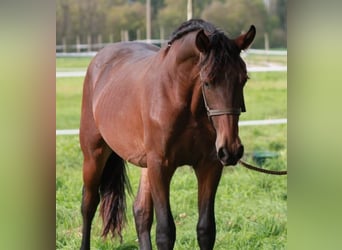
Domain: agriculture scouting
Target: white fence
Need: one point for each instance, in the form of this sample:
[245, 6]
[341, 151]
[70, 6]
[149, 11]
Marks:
[282, 68]
[90, 49]
[250, 51]
[241, 123]
[267, 52]
[272, 68]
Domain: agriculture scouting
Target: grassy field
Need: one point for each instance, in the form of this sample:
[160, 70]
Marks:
[251, 208]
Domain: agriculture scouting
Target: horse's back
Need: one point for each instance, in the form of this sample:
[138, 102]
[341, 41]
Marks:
[118, 73]
[118, 57]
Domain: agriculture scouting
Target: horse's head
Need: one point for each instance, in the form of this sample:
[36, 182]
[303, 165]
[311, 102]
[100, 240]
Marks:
[223, 75]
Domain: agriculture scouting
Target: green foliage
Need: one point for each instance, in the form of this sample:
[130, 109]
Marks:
[68, 105]
[130, 17]
[172, 15]
[265, 96]
[72, 64]
[108, 18]
[235, 16]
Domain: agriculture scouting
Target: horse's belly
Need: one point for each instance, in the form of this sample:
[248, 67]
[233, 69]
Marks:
[121, 128]
[124, 143]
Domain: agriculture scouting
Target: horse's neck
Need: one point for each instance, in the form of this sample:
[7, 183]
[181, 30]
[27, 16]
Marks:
[182, 63]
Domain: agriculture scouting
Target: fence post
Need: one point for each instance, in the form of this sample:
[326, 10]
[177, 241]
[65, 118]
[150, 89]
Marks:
[89, 42]
[162, 33]
[138, 34]
[267, 45]
[99, 41]
[124, 36]
[148, 19]
[78, 43]
[64, 44]
[189, 9]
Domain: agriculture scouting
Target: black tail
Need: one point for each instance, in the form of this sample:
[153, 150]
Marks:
[113, 198]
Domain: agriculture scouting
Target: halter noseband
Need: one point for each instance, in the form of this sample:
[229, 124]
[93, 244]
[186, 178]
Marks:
[226, 111]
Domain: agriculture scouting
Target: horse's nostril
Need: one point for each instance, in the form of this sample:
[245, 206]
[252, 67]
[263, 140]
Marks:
[240, 151]
[230, 159]
[222, 154]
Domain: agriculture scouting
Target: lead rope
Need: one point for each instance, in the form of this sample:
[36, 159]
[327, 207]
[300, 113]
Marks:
[266, 171]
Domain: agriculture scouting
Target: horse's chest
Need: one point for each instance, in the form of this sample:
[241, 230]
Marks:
[190, 145]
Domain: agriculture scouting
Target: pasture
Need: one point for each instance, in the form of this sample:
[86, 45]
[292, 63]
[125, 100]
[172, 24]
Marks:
[251, 208]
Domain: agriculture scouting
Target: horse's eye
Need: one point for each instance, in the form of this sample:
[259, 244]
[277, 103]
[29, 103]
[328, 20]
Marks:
[206, 84]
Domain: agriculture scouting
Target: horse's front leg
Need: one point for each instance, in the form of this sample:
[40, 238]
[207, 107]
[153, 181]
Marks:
[208, 176]
[143, 212]
[159, 177]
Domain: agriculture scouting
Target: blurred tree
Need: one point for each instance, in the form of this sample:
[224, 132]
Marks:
[172, 15]
[79, 18]
[199, 6]
[130, 17]
[236, 16]
[108, 17]
[282, 14]
[65, 14]
[92, 18]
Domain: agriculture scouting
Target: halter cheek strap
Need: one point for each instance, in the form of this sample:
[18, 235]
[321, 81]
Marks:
[226, 111]
[243, 106]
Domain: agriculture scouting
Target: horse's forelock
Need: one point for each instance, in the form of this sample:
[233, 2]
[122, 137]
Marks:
[223, 55]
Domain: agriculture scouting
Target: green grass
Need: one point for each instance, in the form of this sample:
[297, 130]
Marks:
[251, 210]
[250, 207]
[68, 104]
[72, 63]
[265, 96]
[256, 59]
[81, 63]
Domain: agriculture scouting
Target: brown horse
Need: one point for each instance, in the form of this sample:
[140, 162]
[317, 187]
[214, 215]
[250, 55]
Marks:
[150, 107]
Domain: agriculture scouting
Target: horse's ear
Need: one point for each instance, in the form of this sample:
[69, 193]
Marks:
[245, 40]
[202, 41]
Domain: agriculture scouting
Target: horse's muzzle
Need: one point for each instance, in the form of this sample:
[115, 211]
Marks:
[227, 158]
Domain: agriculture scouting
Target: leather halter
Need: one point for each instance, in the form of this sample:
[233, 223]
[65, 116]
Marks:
[225, 111]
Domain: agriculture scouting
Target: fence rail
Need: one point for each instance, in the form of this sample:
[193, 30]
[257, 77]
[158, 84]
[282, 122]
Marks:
[241, 123]
[250, 51]
[91, 49]
[249, 69]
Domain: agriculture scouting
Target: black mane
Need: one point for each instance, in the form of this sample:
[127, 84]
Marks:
[190, 26]
[224, 54]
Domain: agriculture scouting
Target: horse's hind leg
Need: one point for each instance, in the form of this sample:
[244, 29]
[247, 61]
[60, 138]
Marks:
[143, 211]
[95, 152]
